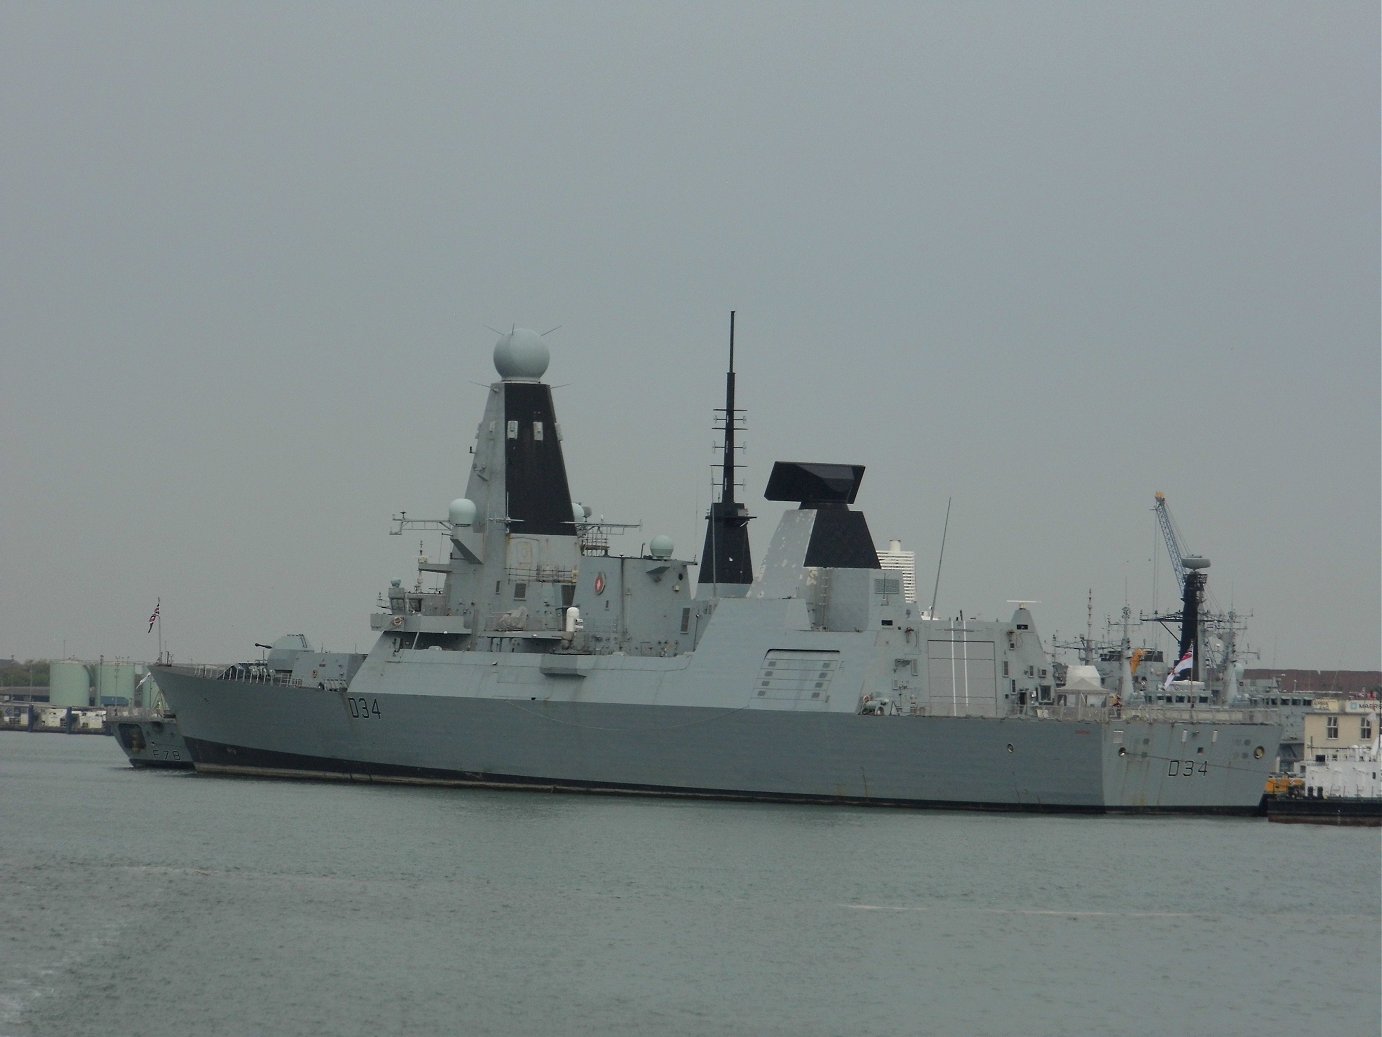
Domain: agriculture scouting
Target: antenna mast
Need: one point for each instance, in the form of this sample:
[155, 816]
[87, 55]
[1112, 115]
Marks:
[941, 560]
[727, 467]
[726, 567]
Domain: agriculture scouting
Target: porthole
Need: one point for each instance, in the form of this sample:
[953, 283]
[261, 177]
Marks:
[1122, 751]
[1258, 753]
[1010, 747]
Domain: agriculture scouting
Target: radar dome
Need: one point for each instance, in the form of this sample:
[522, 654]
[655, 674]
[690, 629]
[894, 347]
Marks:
[521, 354]
[661, 547]
[461, 512]
[1083, 678]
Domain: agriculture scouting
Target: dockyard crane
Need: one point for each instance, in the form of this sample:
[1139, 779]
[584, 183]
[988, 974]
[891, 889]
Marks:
[1173, 540]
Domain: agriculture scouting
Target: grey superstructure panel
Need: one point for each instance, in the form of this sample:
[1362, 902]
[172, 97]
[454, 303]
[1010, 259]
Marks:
[784, 563]
[962, 678]
[800, 677]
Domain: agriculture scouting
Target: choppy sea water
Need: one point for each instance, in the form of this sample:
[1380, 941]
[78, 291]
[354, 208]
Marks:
[135, 902]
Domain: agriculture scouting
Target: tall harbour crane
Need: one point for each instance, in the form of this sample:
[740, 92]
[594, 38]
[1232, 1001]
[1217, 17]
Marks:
[1173, 539]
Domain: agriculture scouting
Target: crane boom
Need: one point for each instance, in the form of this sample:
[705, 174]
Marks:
[1173, 545]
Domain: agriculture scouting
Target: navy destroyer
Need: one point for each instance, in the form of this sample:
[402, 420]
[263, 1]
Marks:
[540, 660]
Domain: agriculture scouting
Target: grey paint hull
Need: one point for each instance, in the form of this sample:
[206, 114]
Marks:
[1009, 763]
[152, 742]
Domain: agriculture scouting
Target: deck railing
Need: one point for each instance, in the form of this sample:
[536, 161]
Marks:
[242, 675]
[1173, 714]
[1109, 714]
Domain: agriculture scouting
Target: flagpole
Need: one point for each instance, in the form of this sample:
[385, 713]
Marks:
[155, 620]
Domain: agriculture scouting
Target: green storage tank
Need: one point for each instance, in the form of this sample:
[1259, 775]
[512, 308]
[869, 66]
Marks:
[69, 684]
[115, 682]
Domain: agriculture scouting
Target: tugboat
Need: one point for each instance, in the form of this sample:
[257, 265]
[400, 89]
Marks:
[1343, 787]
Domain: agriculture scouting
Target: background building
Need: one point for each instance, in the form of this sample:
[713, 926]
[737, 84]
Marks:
[894, 559]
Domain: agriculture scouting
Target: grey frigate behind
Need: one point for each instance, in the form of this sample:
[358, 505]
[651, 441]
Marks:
[538, 659]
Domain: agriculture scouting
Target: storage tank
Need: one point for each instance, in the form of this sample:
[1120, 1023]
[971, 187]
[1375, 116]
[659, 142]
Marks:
[69, 684]
[115, 682]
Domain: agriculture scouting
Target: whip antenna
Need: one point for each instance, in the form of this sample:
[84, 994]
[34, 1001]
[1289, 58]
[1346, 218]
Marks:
[941, 560]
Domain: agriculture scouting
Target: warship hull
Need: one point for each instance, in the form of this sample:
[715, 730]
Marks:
[152, 741]
[538, 659]
[531, 738]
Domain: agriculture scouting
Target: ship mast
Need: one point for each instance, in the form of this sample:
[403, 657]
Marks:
[1191, 577]
[1192, 599]
[727, 467]
[726, 566]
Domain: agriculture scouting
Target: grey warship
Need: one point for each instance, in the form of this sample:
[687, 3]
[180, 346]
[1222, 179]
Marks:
[151, 739]
[543, 661]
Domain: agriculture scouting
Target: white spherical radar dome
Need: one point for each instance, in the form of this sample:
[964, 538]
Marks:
[521, 354]
[461, 512]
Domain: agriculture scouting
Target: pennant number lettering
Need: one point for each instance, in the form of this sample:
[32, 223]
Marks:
[1186, 768]
[362, 708]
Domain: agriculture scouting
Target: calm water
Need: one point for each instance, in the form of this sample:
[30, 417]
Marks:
[166, 904]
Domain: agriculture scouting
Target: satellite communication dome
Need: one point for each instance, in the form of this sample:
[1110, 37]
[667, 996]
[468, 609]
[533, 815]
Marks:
[461, 512]
[661, 546]
[521, 354]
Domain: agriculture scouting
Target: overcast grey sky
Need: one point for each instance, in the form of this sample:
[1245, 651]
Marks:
[1045, 259]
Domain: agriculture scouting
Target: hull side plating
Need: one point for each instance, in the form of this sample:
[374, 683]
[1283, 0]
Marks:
[1012, 763]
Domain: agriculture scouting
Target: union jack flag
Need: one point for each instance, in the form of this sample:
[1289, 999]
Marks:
[1187, 662]
[154, 618]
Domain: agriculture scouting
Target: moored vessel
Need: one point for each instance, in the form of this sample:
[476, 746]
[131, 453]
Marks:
[544, 661]
[151, 739]
[1338, 785]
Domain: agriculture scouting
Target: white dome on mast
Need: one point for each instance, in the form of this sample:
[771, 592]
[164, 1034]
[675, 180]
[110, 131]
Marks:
[521, 355]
